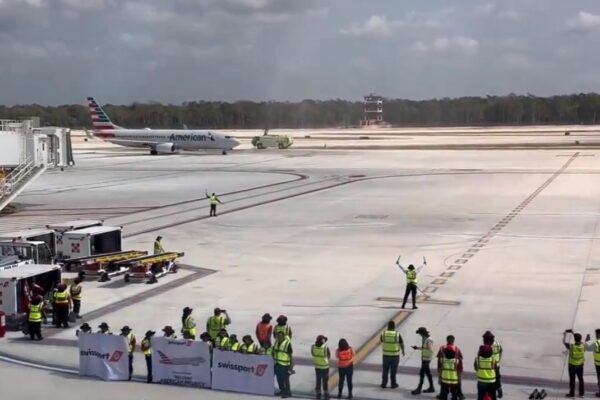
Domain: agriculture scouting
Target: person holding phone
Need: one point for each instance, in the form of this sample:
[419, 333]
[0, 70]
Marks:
[576, 362]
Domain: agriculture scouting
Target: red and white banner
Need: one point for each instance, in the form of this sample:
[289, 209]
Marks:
[103, 356]
[245, 373]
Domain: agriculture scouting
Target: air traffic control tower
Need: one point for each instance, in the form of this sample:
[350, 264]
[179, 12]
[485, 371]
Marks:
[372, 111]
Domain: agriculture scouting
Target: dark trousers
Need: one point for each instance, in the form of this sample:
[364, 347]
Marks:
[576, 371]
[76, 306]
[282, 373]
[213, 210]
[449, 390]
[62, 316]
[598, 377]
[498, 379]
[35, 330]
[425, 371]
[390, 368]
[149, 368]
[322, 376]
[130, 365]
[411, 289]
[345, 374]
[486, 388]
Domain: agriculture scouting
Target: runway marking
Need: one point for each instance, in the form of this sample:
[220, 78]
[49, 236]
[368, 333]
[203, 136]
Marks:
[367, 348]
[420, 299]
[430, 289]
[483, 240]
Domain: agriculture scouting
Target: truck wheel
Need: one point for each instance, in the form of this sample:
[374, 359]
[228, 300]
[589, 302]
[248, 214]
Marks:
[126, 278]
[281, 146]
[175, 268]
[153, 152]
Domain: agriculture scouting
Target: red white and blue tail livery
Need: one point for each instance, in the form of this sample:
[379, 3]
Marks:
[159, 141]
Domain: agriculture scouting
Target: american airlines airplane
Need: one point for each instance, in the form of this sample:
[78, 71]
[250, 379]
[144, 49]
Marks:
[159, 141]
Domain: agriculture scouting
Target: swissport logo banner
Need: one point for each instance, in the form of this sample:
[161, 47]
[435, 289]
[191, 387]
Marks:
[103, 356]
[245, 373]
[180, 362]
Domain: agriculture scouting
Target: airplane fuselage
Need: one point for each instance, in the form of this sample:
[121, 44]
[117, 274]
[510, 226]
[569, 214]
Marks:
[184, 139]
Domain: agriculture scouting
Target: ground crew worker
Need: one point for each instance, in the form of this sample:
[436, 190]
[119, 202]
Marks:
[188, 324]
[75, 291]
[234, 344]
[84, 328]
[449, 375]
[62, 305]
[576, 361]
[222, 340]
[345, 356]
[282, 354]
[169, 332]
[264, 330]
[266, 351]
[458, 355]
[146, 346]
[205, 337]
[158, 249]
[595, 348]
[411, 283]
[213, 203]
[218, 321]
[248, 345]
[104, 328]
[282, 326]
[321, 356]
[35, 317]
[485, 368]
[490, 340]
[130, 337]
[426, 357]
[391, 344]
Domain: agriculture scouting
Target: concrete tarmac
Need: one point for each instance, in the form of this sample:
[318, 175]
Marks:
[509, 236]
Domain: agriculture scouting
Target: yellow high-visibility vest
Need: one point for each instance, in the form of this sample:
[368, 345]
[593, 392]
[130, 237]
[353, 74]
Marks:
[158, 249]
[76, 291]
[411, 277]
[450, 371]
[577, 354]
[485, 370]
[213, 200]
[146, 348]
[390, 343]
[61, 297]
[189, 326]
[597, 353]
[285, 329]
[427, 353]
[280, 353]
[215, 324]
[320, 357]
[35, 313]
[497, 351]
[249, 348]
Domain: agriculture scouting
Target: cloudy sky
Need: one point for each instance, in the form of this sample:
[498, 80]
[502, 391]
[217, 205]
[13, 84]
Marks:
[60, 51]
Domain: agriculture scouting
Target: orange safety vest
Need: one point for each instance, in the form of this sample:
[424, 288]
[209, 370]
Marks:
[264, 331]
[345, 358]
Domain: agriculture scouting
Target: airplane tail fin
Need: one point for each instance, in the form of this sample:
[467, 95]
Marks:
[100, 120]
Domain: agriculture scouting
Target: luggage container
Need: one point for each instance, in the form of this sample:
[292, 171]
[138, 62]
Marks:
[15, 288]
[90, 241]
[60, 229]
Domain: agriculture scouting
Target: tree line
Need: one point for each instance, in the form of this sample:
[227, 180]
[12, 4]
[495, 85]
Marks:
[491, 110]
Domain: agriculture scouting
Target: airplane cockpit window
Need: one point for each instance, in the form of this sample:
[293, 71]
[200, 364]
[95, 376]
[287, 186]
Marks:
[227, 137]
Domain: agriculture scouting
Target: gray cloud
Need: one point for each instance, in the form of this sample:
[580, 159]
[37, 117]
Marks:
[60, 51]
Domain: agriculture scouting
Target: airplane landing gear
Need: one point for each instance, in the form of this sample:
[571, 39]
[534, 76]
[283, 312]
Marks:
[224, 152]
[153, 152]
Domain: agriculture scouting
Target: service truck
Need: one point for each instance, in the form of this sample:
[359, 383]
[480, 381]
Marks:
[31, 235]
[279, 141]
[15, 289]
[37, 251]
[90, 241]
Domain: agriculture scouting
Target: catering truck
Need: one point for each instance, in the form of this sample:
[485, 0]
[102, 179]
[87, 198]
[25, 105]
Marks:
[31, 235]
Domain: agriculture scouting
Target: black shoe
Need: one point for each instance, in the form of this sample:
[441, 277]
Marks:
[394, 386]
[415, 307]
[534, 394]
[416, 391]
[383, 386]
[542, 394]
[339, 396]
[79, 317]
[500, 393]
[571, 395]
[350, 395]
[598, 394]
[318, 396]
[430, 390]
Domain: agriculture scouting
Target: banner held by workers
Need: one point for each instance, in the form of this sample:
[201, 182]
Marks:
[180, 362]
[245, 373]
[103, 356]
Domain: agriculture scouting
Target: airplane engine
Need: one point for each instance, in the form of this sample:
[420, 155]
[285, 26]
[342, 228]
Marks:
[165, 148]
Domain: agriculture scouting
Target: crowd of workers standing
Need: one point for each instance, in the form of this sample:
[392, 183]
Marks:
[276, 341]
